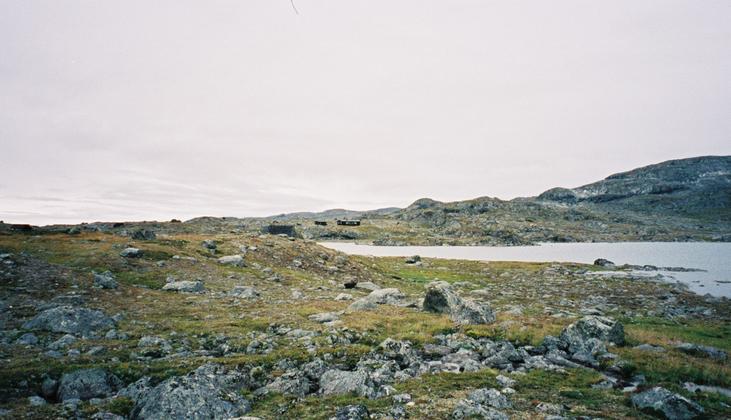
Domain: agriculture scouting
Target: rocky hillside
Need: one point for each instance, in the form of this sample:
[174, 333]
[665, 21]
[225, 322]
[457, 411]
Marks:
[147, 324]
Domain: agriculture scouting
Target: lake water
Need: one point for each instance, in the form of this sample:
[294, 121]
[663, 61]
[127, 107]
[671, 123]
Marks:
[714, 257]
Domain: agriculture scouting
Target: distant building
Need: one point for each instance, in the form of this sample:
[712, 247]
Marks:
[348, 222]
[320, 223]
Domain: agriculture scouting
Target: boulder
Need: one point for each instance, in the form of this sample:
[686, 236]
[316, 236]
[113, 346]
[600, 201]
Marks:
[377, 297]
[441, 298]
[702, 351]
[601, 262]
[244, 292]
[290, 384]
[582, 336]
[352, 412]
[70, 319]
[136, 389]
[338, 382]
[86, 384]
[350, 282]
[208, 392]
[131, 253]
[143, 235]
[324, 317]
[232, 260]
[27, 339]
[660, 401]
[413, 259]
[185, 286]
[105, 280]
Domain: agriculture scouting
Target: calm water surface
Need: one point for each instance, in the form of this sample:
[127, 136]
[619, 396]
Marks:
[713, 257]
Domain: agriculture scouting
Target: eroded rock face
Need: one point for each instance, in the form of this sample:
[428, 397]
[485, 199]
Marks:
[441, 298]
[70, 319]
[660, 401]
[208, 392]
[86, 384]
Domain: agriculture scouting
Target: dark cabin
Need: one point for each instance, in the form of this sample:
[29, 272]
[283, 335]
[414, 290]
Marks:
[320, 223]
[348, 222]
[280, 230]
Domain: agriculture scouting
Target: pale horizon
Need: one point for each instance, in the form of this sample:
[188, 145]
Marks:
[138, 111]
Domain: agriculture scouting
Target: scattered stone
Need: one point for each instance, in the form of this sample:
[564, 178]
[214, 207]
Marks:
[367, 285]
[131, 252]
[441, 298]
[27, 339]
[185, 286]
[36, 401]
[391, 296]
[413, 260]
[505, 381]
[244, 292]
[105, 280]
[660, 401]
[208, 392]
[601, 262]
[72, 320]
[650, 347]
[325, 317]
[352, 412]
[338, 382]
[702, 351]
[233, 260]
[85, 384]
[143, 235]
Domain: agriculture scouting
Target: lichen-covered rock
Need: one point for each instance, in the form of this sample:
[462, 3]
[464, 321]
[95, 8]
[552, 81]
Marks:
[352, 412]
[578, 336]
[234, 260]
[86, 384]
[208, 392]
[244, 292]
[441, 298]
[660, 401]
[702, 351]
[131, 252]
[290, 384]
[338, 382]
[390, 296]
[185, 286]
[70, 319]
[105, 280]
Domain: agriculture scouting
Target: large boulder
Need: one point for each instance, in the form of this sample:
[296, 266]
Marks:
[86, 384]
[105, 280]
[131, 252]
[208, 392]
[662, 402]
[185, 286]
[582, 335]
[338, 382]
[441, 298]
[70, 319]
[233, 260]
[377, 297]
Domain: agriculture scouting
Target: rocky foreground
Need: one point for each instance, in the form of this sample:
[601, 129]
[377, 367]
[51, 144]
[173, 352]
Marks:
[151, 325]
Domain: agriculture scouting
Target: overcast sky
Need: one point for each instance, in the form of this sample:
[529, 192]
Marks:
[143, 110]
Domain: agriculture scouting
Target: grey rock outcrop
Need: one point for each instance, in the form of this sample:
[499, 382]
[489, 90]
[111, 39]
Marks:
[233, 260]
[105, 280]
[377, 297]
[338, 382]
[441, 298]
[86, 384]
[131, 252]
[208, 392]
[185, 286]
[70, 319]
[660, 401]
